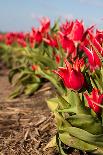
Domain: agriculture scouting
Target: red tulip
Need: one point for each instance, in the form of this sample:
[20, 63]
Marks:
[9, 38]
[66, 27]
[51, 40]
[94, 97]
[22, 42]
[95, 43]
[68, 45]
[78, 64]
[57, 58]
[35, 37]
[77, 31]
[34, 67]
[45, 25]
[74, 30]
[72, 78]
[93, 58]
[1, 37]
[20, 35]
[99, 37]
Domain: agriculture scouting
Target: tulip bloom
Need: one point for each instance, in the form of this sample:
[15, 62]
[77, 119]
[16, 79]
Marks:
[1, 37]
[57, 58]
[51, 40]
[35, 37]
[34, 67]
[74, 30]
[71, 77]
[95, 43]
[94, 97]
[68, 45]
[22, 42]
[99, 37]
[93, 58]
[77, 31]
[45, 25]
[66, 27]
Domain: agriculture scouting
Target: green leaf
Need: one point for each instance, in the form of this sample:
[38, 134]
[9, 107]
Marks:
[61, 122]
[31, 88]
[61, 151]
[86, 122]
[13, 72]
[17, 92]
[85, 136]
[63, 103]
[52, 104]
[52, 143]
[77, 106]
[74, 142]
[46, 61]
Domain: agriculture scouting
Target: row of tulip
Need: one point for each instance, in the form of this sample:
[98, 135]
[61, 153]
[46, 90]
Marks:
[75, 54]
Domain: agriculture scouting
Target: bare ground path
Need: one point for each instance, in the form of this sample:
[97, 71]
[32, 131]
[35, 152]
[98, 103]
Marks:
[26, 125]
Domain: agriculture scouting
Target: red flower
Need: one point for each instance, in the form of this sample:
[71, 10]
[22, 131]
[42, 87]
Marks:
[22, 42]
[34, 67]
[77, 31]
[74, 30]
[66, 27]
[1, 37]
[99, 37]
[72, 78]
[51, 40]
[9, 38]
[94, 97]
[78, 64]
[95, 43]
[57, 58]
[45, 24]
[20, 35]
[35, 37]
[93, 58]
[68, 45]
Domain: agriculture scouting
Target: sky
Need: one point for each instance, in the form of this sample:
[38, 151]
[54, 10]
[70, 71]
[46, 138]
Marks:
[21, 15]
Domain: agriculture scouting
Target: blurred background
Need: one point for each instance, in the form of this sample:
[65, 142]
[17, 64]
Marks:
[21, 15]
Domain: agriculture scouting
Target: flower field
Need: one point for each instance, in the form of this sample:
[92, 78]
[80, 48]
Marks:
[52, 90]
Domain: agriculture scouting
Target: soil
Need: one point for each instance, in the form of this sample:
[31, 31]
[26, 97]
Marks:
[26, 124]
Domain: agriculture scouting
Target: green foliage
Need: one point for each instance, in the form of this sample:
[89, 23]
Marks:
[77, 127]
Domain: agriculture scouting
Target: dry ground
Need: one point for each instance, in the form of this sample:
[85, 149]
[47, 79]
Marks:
[26, 124]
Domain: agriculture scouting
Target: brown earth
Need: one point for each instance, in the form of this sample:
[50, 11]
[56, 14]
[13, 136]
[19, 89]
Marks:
[26, 124]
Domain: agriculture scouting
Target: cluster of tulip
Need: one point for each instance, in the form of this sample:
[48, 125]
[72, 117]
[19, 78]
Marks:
[75, 54]
[79, 111]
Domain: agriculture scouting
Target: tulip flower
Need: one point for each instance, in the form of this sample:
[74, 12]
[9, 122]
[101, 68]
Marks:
[9, 38]
[45, 24]
[93, 58]
[1, 37]
[95, 43]
[99, 37]
[35, 37]
[74, 30]
[77, 31]
[51, 40]
[57, 58]
[21, 35]
[68, 45]
[22, 42]
[78, 64]
[71, 77]
[66, 27]
[34, 67]
[94, 97]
